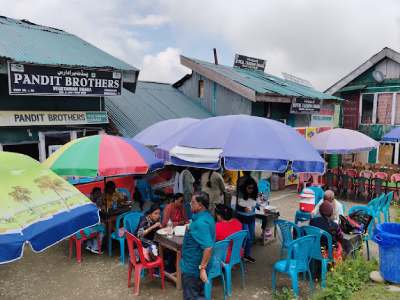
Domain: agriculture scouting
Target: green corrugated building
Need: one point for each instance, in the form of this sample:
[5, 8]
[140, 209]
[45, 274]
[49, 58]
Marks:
[35, 117]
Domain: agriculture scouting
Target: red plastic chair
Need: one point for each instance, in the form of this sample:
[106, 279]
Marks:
[134, 242]
[352, 172]
[78, 243]
[381, 175]
[367, 174]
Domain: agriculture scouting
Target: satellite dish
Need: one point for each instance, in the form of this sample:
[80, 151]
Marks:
[378, 76]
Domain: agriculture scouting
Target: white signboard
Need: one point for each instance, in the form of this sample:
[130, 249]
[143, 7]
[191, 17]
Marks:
[321, 121]
[53, 148]
[40, 118]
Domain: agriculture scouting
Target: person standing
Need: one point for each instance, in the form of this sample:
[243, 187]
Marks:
[197, 247]
[184, 183]
[246, 205]
[213, 184]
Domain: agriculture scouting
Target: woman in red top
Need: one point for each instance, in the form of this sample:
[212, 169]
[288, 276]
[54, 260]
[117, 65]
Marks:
[226, 225]
[175, 212]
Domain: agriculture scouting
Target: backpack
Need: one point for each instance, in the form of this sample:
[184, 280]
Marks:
[348, 225]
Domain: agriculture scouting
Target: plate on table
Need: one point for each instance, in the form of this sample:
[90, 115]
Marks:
[162, 231]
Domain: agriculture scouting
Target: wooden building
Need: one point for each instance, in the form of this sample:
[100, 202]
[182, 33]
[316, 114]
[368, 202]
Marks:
[224, 90]
[372, 94]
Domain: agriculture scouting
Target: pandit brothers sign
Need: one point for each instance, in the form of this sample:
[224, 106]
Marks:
[31, 79]
[40, 118]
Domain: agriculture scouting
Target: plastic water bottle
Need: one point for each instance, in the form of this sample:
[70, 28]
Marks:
[170, 228]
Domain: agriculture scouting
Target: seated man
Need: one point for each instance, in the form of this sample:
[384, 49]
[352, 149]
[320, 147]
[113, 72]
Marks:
[326, 223]
[329, 196]
[226, 225]
[175, 212]
[112, 196]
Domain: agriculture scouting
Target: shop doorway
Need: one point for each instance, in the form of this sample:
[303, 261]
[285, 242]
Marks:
[54, 140]
[31, 149]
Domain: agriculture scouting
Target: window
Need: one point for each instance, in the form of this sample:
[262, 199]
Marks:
[201, 89]
[384, 109]
[367, 108]
[397, 110]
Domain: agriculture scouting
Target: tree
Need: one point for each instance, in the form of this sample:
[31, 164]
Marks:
[22, 194]
[46, 183]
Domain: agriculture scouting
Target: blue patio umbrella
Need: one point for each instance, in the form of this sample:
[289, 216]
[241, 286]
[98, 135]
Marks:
[241, 142]
[392, 136]
[161, 131]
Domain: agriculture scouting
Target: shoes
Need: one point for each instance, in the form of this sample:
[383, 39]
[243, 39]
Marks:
[95, 251]
[249, 259]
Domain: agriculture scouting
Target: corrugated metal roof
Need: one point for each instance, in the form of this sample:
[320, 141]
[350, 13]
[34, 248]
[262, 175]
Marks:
[23, 41]
[264, 83]
[152, 102]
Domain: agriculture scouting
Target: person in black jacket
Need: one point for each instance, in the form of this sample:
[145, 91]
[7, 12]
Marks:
[325, 223]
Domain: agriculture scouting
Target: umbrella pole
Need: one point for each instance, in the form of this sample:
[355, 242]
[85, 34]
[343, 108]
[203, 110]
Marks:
[237, 189]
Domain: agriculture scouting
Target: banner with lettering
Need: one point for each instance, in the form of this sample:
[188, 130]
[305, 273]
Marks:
[32, 79]
[40, 118]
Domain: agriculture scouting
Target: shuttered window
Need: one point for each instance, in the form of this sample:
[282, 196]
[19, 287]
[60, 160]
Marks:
[384, 109]
[367, 108]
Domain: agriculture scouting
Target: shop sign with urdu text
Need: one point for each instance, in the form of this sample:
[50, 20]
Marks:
[250, 63]
[32, 79]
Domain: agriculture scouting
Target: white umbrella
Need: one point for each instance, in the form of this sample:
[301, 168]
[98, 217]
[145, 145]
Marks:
[342, 141]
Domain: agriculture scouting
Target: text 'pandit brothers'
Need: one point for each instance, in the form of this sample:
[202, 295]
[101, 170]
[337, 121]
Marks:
[53, 80]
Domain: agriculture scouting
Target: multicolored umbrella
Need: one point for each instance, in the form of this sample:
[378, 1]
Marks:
[342, 141]
[102, 155]
[37, 207]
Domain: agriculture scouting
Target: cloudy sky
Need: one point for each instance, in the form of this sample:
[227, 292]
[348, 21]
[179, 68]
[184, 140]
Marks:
[320, 40]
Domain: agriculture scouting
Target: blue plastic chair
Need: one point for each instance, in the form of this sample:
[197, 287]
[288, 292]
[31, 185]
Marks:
[237, 240]
[297, 261]
[385, 207]
[115, 236]
[302, 216]
[316, 250]
[366, 237]
[220, 251]
[132, 220]
[288, 229]
[376, 206]
[264, 187]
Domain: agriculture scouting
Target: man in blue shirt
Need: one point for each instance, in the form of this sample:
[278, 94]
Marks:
[197, 248]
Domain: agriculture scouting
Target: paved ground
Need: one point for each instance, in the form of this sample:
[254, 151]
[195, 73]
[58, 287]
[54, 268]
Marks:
[50, 275]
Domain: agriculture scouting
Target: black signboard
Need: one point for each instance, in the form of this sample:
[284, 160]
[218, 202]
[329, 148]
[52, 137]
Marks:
[305, 106]
[31, 79]
[251, 63]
